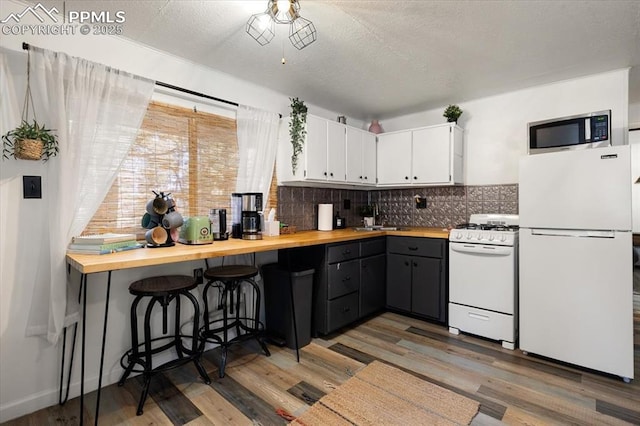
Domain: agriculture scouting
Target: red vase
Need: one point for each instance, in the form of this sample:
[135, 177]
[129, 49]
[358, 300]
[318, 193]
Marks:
[375, 127]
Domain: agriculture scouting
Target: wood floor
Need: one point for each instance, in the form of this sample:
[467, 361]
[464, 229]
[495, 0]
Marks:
[512, 388]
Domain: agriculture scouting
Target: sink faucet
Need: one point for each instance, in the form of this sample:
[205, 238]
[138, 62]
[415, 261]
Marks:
[376, 213]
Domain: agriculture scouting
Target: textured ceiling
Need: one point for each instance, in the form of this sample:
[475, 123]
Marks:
[379, 59]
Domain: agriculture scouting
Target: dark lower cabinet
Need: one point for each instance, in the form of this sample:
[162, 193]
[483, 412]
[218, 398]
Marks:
[355, 279]
[416, 276]
[372, 284]
[399, 281]
[426, 289]
[350, 283]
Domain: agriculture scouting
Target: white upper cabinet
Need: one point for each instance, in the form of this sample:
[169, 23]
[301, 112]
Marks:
[430, 161]
[336, 146]
[314, 154]
[425, 156]
[327, 149]
[336, 155]
[361, 157]
[394, 158]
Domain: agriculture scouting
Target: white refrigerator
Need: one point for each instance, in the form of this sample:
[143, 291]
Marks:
[576, 282]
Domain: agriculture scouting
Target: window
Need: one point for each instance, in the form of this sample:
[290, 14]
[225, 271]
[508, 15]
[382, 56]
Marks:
[192, 155]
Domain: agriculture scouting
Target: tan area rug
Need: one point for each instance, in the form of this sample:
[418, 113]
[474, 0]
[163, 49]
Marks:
[383, 395]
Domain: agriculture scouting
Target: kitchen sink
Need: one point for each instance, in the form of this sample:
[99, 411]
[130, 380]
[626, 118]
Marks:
[379, 228]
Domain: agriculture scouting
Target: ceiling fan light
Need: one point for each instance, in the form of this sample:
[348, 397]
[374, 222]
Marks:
[302, 33]
[261, 28]
[283, 11]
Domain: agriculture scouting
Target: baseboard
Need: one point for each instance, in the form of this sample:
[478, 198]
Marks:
[49, 397]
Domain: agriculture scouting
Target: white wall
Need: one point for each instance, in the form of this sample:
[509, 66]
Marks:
[495, 128]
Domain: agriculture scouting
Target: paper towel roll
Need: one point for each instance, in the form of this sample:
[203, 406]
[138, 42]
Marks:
[325, 217]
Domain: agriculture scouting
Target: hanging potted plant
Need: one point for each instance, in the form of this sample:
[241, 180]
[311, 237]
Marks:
[452, 113]
[30, 141]
[297, 129]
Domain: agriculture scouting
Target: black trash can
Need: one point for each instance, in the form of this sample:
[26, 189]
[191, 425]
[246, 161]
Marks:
[277, 300]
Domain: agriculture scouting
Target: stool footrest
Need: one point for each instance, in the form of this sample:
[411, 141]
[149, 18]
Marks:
[212, 338]
[140, 358]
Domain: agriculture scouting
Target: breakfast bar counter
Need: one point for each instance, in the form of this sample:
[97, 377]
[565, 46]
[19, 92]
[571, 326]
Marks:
[88, 264]
[91, 263]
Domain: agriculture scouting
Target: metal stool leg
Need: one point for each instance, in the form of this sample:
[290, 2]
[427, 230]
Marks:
[256, 317]
[225, 334]
[196, 347]
[134, 341]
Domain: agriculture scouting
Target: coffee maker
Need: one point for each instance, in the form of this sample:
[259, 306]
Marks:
[246, 215]
[252, 216]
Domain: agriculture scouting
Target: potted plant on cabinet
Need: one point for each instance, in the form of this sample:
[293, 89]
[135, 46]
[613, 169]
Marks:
[452, 113]
[297, 129]
[30, 141]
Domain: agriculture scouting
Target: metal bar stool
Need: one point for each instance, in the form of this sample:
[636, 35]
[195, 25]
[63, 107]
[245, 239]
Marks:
[228, 280]
[162, 290]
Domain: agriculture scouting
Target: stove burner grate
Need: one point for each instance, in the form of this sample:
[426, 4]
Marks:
[487, 227]
[468, 226]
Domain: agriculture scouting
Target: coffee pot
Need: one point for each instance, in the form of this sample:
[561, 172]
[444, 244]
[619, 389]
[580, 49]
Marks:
[252, 216]
[246, 215]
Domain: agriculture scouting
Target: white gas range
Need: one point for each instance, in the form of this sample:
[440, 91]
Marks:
[483, 277]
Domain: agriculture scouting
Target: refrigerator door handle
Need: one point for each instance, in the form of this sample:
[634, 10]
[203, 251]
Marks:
[573, 233]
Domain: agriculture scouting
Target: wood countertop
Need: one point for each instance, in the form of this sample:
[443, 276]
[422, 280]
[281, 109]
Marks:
[92, 263]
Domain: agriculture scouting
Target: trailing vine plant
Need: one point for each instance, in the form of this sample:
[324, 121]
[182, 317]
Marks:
[297, 129]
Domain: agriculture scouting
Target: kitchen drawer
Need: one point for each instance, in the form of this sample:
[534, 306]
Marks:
[342, 252]
[416, 246]
[485, 323]
[342, 311]
[343, 278]
[372, 247]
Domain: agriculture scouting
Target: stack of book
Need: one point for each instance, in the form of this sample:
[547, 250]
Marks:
[103, 243]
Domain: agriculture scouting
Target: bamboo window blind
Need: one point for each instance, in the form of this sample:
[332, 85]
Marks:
[192, 155]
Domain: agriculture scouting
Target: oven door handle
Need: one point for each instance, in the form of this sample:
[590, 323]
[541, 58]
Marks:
[481, 249]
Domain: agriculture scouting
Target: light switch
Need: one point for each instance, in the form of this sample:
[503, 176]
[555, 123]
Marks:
[31, 187]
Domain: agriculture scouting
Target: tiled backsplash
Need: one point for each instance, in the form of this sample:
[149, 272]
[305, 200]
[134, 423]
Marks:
[446, 205]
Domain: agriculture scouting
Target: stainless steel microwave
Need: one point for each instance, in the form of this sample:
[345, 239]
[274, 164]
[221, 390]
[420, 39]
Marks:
[578, 131]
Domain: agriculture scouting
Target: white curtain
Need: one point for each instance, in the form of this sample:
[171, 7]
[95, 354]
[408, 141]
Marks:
[97, 112]
[257, 146]
[9, 103]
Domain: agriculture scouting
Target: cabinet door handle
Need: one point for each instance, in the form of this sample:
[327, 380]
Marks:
[360, 177]
[365, 178]
[346, 279]
[346, 252]
[415, 264]
[415, 177]
[325, 173]
[331, 174]
[413, 248]
[345, 310]
[406, 177]
[406, 263]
